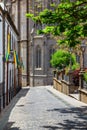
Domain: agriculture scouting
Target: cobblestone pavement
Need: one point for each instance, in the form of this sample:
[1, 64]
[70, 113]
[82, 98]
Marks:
[38, 108]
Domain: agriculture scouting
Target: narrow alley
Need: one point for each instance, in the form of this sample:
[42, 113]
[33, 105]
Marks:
[43, 108]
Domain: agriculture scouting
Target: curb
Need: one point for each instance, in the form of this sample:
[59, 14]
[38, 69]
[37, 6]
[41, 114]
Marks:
[68, 99]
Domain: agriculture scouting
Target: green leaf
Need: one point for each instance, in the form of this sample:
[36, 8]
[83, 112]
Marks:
[67, 20]
[29, 15]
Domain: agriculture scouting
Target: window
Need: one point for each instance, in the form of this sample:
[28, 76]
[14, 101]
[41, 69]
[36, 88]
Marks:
[38, 57]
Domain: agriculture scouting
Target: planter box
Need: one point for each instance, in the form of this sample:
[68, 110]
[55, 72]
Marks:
[83, 95]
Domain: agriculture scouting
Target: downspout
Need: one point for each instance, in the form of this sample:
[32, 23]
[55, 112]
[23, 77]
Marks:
[27, 37]
[3, 90]
[19, 54]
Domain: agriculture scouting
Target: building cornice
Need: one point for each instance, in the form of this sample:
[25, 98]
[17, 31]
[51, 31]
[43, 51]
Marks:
[6, 15]
[11, 22]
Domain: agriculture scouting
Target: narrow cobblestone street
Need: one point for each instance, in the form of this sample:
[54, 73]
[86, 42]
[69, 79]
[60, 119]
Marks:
[40, 108]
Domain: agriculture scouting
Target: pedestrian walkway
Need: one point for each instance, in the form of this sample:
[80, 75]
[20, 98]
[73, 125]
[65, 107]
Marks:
[72, 99]
[75, 95]
[44, 108]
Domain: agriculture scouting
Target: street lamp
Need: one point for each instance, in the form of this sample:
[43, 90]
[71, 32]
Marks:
[81, 82]
[83, 46]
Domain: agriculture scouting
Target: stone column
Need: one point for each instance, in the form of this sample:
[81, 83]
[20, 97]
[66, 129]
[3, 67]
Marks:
[63, 71]
[80, 83]
[70, 77]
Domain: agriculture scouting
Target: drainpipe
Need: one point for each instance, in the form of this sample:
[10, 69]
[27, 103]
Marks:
[27, 37]
[3, 55]
[19, 30]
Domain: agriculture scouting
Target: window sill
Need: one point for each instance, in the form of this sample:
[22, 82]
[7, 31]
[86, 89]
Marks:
[38, 68]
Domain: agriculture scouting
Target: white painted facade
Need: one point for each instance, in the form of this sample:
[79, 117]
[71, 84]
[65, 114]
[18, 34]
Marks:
[8, 69]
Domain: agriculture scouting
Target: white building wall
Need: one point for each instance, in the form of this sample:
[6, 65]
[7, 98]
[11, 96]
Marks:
[1, 52]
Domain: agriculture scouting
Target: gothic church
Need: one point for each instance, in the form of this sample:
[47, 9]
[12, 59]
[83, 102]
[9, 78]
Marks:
[34, 50]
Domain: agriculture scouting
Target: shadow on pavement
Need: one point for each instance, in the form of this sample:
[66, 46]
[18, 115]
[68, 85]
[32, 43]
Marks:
[8, 126]
[51, 127]
[77, 119]
[6, 112]
[22, 92]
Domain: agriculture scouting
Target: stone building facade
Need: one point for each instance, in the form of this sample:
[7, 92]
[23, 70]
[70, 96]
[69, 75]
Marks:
[40, 69]
[34, 51]
[19, 9]
[8, 50]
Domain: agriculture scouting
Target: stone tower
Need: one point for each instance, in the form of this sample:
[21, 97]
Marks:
[19, 9]
[34, 50]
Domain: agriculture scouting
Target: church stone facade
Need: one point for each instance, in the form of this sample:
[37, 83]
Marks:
[40, 69]
[35, 51]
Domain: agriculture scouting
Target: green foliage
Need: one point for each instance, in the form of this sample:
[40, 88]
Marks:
[68, 20]
[75, 66]
[61, 59]
[85, 76]
[29, 15]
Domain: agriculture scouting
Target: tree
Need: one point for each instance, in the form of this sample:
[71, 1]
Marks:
[67, 21]
[61, 59]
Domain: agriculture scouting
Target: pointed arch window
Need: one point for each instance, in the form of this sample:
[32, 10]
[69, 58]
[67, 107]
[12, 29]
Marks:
[38, 57]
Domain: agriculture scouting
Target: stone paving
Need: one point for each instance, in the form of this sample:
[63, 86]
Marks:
[43, 108]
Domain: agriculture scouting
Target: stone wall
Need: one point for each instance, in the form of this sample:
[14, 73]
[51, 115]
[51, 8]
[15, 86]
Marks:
[57, 84]
[83, 95]
[40, 80]
[63, 86]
